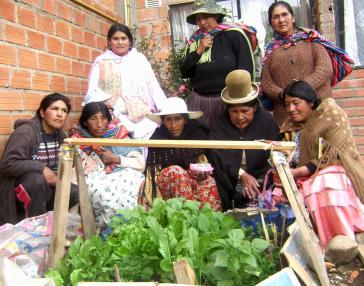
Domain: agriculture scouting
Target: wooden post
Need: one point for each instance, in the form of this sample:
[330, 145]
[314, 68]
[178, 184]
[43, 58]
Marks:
[87, 216]
[183, 272]
[61, 205]
[310, 240]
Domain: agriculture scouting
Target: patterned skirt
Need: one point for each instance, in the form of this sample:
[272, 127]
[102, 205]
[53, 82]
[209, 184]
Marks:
[112, 192]
[174, 181]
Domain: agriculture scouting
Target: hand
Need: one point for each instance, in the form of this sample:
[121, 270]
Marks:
[109, 158]
[49, 176]
[250, 186]
[205, 43]
[200, 175]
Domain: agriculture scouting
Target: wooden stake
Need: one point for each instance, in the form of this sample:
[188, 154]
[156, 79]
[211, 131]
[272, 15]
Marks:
[61, 204]
[87, 216]
[183, 272]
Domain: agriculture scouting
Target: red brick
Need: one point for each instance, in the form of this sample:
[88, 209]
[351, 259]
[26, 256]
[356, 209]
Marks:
[3, 141]
[91, 24]
[84, 53]
[58, 83]
[6, 124]
[77, 103]
[7, 10]
[26, 17]
[352, 103]
[359, 140]
[90, 39]
[31, 101]
[63, 65]
[343, 93]
[69, 49]
[84, 86]
[140, 4]
[87, 69]
[78, 69]
[72, 120]
[50, 6]
[352, 83]
[104, 28]
[77, 35]
[20, 79]
[36, 40]
[15, 35]
[143, 15]
[45, 24]
[352, 112]
[40, 81]
[47, 62]
[34, 3]
[65, 11]
[27, 59]
[54, 45]
[73, 85]
[359, 73]
[79, 18]
[7, 55]
[143, 30]
[10, 101]
[62, 29]
[163, 12]
[357, 121]
[4, 77]
[95, 54]
[101, 43]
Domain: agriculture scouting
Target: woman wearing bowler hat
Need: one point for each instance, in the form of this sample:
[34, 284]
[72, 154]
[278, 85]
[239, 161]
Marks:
[238, 173]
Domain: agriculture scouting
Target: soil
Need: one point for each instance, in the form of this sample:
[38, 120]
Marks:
[351, 274]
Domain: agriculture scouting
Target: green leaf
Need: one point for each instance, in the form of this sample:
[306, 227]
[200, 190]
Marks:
[260, 244]
[226, 283]
[192, 240]
[222, 258]
[203, 223]
[236, 237]
[166, 265]
[76, 276]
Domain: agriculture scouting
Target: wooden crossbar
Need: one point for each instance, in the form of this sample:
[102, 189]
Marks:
[207, 144]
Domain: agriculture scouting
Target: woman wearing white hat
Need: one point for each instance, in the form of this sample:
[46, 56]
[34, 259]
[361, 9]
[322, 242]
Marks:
[238, 173]
[174, 172]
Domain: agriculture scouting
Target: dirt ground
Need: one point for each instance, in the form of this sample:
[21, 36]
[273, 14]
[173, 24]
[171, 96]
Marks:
[347, 274]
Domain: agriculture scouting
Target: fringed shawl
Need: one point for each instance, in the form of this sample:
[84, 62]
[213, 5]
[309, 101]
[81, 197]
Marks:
[328, 125]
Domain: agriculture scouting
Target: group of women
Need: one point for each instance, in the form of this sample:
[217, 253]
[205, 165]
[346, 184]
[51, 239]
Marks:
[124, 100]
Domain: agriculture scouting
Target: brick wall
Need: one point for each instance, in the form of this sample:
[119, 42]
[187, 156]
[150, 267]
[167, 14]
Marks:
[47, 46]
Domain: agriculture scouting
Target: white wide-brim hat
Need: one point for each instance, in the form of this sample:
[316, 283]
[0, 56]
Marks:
[239, 88]
[174, 105]
[95, 95]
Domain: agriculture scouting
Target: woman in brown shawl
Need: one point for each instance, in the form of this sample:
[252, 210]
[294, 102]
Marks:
[327, 165]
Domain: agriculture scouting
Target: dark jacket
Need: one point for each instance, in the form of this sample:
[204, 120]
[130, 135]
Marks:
[17, 161]
[226, 163]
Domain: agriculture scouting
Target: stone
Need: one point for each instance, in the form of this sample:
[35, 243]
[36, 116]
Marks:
[361, 253]
[341, 250]
[359, 237]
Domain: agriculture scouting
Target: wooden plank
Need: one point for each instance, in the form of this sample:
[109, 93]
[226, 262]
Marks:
[87, 216]
[209, 144]
[309, 239]
[183, 272]
[61, 204]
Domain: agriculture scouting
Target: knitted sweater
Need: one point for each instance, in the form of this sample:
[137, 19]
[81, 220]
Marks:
[305, 61]
[230, 51]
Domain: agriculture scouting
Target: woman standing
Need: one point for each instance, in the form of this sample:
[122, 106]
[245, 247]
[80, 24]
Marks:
[213, 51]
[28, 167]
[127, 76]
[299, 53]
[239, 173]
[114, 175]
[175, 172]
[327, 163]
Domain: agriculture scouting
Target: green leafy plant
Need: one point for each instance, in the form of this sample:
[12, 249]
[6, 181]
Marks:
[144, 244]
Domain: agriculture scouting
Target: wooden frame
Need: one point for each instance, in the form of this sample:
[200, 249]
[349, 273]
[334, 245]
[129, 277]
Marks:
[64, 181]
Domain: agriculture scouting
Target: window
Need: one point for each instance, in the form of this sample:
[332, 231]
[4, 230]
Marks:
[181, 30]
[349, 20]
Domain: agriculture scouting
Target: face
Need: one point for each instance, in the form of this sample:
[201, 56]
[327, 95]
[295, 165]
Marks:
[282, 21]
[97, 124]
[54, 117]
[241, 116]
[298, 109]
[175, 123]
[119, 43]
[206, 22]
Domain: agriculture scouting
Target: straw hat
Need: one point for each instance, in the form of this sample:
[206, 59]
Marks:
[239, 88]
[95, 95]
[174, 105]
[205, 7]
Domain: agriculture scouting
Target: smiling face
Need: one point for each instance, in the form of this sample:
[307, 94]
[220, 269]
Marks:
[54, 117]
[175, 123]
[241, 115]
[298, 109]
[119, 43]
[97, 124]
[282, 21]
[206, 22]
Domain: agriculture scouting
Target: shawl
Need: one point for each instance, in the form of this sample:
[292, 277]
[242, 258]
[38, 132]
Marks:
[194, 40]
[328, 129]
[110, 133]
[341, 62]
